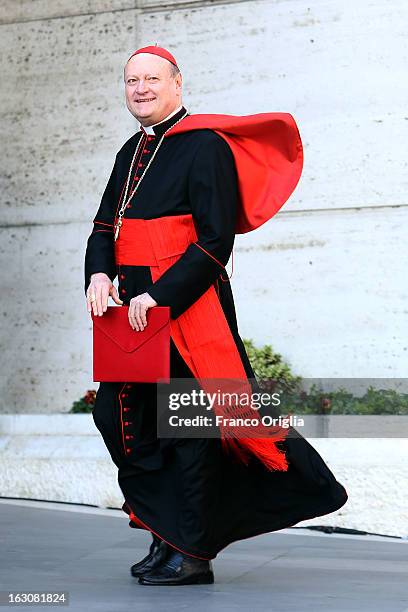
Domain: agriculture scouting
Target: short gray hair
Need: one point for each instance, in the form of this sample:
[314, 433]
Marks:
[174, 70]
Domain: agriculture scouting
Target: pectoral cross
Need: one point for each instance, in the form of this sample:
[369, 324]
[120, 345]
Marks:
[117, 228]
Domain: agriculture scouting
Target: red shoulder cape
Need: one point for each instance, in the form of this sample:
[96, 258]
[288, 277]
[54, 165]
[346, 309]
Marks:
[268, 154]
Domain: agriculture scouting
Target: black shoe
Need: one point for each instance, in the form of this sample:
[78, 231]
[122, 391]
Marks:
[179, 569]
[157, 554]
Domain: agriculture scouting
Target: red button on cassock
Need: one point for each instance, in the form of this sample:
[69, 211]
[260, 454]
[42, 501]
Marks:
[122, 276]
[146, 151]
[128, 450]
[126, 409]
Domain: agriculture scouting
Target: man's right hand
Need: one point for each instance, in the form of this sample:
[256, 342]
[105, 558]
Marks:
[101, 287]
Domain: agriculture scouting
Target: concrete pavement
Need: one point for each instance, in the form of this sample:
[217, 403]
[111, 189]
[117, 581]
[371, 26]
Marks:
[88, 552]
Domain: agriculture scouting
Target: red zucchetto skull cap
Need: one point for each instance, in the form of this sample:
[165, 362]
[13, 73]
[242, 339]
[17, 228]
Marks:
[155, 50]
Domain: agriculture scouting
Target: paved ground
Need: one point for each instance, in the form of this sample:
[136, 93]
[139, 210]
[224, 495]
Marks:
[88, 552]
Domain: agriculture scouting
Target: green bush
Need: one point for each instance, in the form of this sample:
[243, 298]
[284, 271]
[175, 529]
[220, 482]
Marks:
[272, 373]
[381, 401]
[85, 403]
[374, 401]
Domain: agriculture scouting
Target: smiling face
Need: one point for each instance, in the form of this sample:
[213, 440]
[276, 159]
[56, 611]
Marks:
[152, 91]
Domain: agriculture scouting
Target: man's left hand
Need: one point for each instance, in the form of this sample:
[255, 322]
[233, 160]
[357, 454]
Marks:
[138, 306]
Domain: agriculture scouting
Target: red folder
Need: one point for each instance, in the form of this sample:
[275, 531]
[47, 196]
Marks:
[121, 354]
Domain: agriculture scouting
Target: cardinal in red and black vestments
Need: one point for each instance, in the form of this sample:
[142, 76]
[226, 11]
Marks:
[180, 189]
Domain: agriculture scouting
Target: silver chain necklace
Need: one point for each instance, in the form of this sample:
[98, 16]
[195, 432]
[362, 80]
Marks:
[125, 203]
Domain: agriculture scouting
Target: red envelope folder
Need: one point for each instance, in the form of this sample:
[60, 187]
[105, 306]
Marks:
[121, 354]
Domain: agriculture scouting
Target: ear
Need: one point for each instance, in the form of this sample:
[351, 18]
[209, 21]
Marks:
[179, 81]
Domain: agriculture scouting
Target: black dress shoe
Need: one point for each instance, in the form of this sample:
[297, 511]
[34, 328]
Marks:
[157, 554]
[179, 569]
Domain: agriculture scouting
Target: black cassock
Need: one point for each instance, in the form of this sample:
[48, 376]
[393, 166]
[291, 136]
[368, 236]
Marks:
[188, 491]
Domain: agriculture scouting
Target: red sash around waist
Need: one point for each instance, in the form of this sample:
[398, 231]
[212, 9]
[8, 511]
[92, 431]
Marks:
[201, 334]
[146, 242]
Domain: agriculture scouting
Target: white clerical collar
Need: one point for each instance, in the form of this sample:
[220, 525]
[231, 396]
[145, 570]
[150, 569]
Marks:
[149, 128]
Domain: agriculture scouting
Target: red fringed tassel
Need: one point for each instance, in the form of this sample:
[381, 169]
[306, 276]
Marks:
[265, 450]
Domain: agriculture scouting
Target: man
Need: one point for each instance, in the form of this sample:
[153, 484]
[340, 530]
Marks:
[189, 183]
